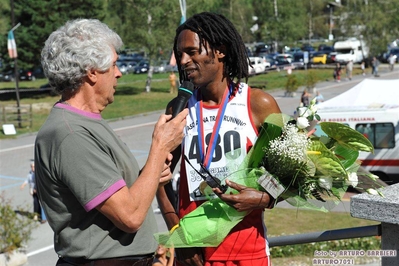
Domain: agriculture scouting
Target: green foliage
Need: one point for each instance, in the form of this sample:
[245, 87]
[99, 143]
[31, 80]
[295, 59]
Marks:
[39, 18]
[374, 21]
[346, 136]
[310, 79]
[292, 83]
[150, 25]
[15, 229]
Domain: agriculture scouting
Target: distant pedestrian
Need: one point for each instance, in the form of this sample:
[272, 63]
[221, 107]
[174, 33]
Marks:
[349, 69]
[375, 63]
[363, 67]
[391, 61]
[337, 72]
[319, 97]
[38, 213]
[172, 81]
[305, 98]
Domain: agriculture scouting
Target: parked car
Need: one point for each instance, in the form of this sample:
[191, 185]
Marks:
[294, 50]
[259, 65]
[126, 66]
[285, 57]
[8, 75]
[26, 75]
[325, 55]
[298, 60]
[323, 58]
[38, 72]
[142, 67]
[309, 48]
[161, 66]
[271, 60]
[261, 49]
[393, 51]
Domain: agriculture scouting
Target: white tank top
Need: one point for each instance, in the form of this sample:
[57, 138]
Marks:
[236, 135]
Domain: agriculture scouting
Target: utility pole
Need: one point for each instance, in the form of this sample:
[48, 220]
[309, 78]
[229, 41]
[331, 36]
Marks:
[276, 16]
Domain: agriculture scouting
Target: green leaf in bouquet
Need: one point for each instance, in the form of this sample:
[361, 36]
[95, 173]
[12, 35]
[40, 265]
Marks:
[325, 161]
[257, 152]
[278, 119]
[347, 136]
[347, 156]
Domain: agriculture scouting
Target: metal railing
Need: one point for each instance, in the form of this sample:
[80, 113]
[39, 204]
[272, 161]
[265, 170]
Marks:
[355, 232]
[19, 116]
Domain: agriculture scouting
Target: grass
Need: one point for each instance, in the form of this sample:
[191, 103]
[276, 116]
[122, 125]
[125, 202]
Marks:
[304, 221]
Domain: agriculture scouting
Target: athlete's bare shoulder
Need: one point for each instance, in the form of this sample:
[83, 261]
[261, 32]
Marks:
[262, 105]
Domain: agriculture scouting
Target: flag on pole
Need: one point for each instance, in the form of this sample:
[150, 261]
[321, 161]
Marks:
[12, 47]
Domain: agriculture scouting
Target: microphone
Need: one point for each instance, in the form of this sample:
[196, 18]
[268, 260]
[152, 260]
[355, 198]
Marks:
[184, 93]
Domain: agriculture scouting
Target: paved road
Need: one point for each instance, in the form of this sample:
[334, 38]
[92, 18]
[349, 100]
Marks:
[135, 132]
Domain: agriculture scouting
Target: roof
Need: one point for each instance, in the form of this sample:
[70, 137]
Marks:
[368, 94]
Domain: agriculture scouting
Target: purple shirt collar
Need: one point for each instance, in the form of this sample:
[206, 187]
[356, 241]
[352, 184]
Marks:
[78, 111]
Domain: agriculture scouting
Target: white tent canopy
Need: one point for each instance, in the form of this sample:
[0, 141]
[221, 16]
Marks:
[370, 93]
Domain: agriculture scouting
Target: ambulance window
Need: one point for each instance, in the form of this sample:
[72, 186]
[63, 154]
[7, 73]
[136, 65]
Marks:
[384, 136]
[381, 135]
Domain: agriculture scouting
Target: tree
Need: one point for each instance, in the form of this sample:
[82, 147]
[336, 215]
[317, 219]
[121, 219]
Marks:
[150, 29]
[374, 21]
[39, 18]
[281, 22]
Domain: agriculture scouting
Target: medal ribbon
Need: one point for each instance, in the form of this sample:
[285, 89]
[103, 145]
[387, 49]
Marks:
[206, 155]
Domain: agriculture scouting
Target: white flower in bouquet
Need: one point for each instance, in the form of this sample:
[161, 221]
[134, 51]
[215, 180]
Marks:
[373, 191]
[326, 182]
[302, 122]
[287, 153]
[352, 179]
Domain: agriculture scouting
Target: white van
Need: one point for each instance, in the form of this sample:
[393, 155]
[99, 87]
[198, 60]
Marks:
[372, 108]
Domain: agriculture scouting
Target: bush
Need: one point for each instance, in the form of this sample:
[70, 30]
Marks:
[310, 79]
[291, 86]
[15, 229]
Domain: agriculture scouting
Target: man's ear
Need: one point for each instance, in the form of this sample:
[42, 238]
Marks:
[221, 51]
[92, 75]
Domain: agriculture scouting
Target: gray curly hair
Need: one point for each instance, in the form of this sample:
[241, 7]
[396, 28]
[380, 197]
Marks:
[79, 46]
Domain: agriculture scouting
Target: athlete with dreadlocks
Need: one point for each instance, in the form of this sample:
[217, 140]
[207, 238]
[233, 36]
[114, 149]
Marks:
[211, 54]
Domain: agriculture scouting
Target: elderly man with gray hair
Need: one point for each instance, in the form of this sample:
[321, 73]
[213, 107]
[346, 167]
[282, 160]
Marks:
[97, 200]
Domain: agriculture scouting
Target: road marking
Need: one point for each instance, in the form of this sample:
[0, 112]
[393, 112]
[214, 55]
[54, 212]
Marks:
[136, 126]
[40, 250]
[17, 148]
[116, 129]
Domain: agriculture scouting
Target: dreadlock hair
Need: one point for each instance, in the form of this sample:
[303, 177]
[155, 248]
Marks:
[217, 30]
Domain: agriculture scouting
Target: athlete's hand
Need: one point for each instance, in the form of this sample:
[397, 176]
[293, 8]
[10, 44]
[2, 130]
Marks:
[247, 199]
[190, 256]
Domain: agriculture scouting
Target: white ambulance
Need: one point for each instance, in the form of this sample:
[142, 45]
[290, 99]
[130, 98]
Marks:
[372, 108]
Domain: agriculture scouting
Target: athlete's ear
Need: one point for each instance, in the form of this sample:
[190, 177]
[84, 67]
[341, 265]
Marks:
[221, 51]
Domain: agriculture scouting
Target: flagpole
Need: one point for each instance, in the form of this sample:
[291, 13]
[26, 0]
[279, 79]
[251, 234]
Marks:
[16, 67]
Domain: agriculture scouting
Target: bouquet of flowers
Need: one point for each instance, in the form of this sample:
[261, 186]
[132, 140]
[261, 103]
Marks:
[290, 163]
[305, 169]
